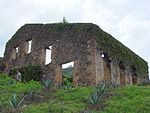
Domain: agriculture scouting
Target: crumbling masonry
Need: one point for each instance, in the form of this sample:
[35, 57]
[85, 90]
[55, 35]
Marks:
[97, 56]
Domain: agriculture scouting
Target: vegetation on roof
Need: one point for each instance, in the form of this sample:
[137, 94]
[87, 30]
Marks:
[120, 53]
[115, 49]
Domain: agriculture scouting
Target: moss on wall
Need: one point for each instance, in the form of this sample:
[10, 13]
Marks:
[118, 52]
[115, 49]
[55, 29]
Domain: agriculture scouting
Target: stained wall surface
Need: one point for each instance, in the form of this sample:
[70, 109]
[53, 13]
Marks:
[82, 44]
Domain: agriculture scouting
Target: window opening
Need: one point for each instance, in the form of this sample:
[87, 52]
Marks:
[48, 55]
[16, 50]
[29, 46]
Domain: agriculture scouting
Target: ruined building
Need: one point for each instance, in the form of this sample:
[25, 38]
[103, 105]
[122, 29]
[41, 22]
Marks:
[97, 56]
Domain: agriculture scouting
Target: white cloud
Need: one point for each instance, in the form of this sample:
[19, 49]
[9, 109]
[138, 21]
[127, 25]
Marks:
[134, 33]
[95, 12]
[126, 20]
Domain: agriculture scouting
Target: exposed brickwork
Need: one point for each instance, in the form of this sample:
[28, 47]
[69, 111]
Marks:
[80, 43]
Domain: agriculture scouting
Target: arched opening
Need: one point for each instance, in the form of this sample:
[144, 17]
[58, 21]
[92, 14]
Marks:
[122, 73]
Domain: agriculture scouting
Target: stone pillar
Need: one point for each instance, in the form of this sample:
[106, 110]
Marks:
[115, 73]
[107, 71]
[99, 68]
[122, 77]
[42, 56]
[84, 66]
[128, 78]
[23, 49]
[13, 54]
[58, 75]
[76, 73]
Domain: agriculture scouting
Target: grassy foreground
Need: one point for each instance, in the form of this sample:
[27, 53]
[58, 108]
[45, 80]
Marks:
[130, 99]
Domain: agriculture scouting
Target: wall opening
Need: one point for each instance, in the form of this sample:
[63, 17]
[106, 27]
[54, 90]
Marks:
[67, 73]
[102, 55]
[122, 73]
[48, 58]
[29, 46]
[16, 50]
[106, 64]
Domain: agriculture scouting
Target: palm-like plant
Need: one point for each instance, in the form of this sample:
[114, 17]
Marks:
[48, 83]
[94, 98]
[15, 102]
[101, 90]
[103, 87]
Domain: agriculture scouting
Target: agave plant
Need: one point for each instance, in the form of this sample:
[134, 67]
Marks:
[101, 89]
[15, 101]
[32, 94]
[48, 83]
[94, 98]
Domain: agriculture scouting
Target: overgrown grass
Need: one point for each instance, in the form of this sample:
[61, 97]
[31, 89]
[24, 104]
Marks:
[129, 99]
[63, 101]
[9, 87]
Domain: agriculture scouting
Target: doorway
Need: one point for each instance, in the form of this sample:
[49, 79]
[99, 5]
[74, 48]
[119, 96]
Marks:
[67, 73]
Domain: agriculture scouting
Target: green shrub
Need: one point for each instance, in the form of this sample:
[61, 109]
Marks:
[68, 86]
[29, 72]
[6, 80]
[34, 85]
[67, 80]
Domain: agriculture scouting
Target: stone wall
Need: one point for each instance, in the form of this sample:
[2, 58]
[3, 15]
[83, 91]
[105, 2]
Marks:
[83, 44]
[107, 69]
[2, 67]
[66, 47]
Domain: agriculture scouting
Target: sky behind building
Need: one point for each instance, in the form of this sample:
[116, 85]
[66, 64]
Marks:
[126, 20]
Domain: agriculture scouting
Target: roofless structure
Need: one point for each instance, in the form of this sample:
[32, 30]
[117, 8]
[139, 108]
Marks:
[97, 56]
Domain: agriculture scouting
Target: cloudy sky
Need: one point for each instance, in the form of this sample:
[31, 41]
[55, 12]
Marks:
[127, 20]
